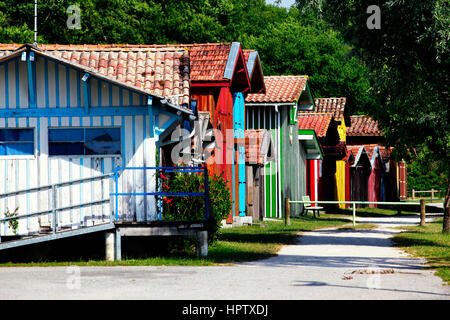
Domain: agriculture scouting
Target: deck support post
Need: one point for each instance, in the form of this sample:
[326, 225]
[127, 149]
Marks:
[202, 244]
[118, 245]
[113, 245]
[109, 245]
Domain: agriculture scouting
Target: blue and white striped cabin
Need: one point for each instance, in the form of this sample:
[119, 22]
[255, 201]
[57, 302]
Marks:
[61, 121]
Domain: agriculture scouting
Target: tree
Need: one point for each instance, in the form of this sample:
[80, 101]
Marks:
[409, 61]
[304, 45]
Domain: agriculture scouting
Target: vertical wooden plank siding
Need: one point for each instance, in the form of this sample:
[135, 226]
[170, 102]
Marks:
[340, 182]
[58, 86]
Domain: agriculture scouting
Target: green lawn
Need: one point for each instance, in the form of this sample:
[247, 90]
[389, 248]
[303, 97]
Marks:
[238, 244]
[428, 242]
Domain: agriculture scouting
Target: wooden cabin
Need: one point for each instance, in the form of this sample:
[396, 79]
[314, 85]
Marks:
[365, 131]
[389, 179]
[341, 117]
[259, 151]
[360, 171]
[72, 112]
[376, 175]
[219, 82]
[322, 173]
[276, 110]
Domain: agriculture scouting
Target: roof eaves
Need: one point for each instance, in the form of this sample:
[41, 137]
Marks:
[101, 76]
[231, 62]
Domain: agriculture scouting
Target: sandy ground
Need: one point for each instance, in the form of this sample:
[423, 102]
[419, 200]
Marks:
[324, 264]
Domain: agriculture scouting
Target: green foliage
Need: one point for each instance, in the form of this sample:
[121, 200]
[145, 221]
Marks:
[305, 45]
[424, 174]
[13, 223]
[408, 58]
[289, 42]
[192, 208]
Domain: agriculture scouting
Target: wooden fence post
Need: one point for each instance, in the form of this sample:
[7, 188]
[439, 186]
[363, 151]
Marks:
[413, 194]
[432, 193]
[422, 212]
[287, 212]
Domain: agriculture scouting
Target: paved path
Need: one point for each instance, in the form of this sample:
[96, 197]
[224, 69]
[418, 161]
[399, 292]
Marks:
[325, 264]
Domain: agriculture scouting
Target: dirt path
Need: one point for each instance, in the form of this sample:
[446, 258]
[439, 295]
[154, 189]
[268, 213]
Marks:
[325, 264]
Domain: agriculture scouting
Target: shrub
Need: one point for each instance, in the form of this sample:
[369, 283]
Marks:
[192, 208]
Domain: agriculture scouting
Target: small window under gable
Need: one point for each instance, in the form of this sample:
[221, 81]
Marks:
[16, 142]
[84, 141]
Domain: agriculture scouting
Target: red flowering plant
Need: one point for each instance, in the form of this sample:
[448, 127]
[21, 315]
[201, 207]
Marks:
[192, 208]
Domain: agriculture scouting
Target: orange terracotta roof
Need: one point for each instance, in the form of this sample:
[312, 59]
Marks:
[280, 89]
[162, 70]
[363, 126]
[319, 122]
[369, 149]
[385, 152]
[354, 149]
[208, 61]
[336, 106]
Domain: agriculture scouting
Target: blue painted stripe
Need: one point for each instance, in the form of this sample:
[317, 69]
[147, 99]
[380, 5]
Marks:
[6, 87]
[133, 143]
[81, 191]
[31, 82]
[99, 93]
[17, 83]
[123, 142]
[28, 182]
[38, 134]
[110, 94]
[78, 112]
[68, 87]
[47, 102]
[78, 89]
[57, 104]
[6, 200]
[28, 192]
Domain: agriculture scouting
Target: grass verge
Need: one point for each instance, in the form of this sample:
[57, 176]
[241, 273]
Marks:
[247, 243]
[430, 243]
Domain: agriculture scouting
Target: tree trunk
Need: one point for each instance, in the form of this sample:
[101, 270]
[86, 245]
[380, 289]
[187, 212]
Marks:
[446, 227]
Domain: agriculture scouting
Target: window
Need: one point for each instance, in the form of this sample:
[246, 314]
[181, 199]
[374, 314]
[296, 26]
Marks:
[83, 141]
[16, 142]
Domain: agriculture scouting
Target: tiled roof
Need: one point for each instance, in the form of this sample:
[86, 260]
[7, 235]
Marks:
[319, 122]
[363, 126]
[356, 149]
[369, 149]
[336, 106]
[208, 61]
[162, 70]
[385, 152]
[280, 89]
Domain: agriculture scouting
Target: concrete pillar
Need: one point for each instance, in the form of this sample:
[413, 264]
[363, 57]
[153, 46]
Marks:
[109, 245]
[202, 244]
[113, 245]
[118, 245]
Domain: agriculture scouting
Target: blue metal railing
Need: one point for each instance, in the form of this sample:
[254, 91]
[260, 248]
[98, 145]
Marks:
[204, 194]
